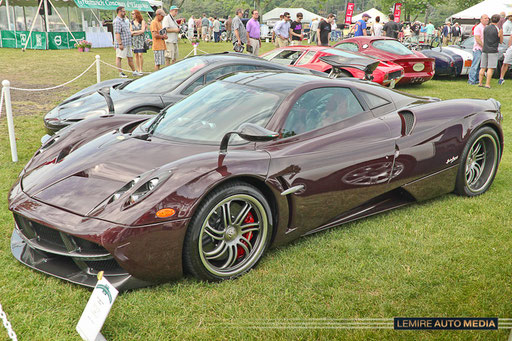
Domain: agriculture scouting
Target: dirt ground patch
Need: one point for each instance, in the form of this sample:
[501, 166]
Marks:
[35, 102]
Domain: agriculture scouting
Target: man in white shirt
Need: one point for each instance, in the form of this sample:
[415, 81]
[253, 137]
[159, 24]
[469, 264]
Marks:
[507, 25]
[191, 25]
[173, 29]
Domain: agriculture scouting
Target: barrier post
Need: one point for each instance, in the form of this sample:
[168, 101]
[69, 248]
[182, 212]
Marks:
[195, 49]
[10, 124]
[98, 70]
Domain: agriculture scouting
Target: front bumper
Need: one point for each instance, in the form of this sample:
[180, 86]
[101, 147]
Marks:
[76, 248]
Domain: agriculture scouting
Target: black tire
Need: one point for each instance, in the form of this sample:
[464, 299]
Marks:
[217, 249]
[479, 163]
[145, 111]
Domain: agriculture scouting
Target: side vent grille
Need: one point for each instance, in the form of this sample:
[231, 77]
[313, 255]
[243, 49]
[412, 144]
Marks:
[407, 118]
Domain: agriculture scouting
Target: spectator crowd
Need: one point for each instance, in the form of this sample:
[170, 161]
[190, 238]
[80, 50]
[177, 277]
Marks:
[166, 29]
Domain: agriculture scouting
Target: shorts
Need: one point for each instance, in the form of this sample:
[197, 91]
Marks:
[139, 51]
[159, 57]
[508, 56]
[489, 60]
[126, 52]
[204, 30]
[171, 51]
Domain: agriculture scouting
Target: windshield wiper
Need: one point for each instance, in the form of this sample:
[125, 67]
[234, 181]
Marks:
[122, 85]
[105, 92]
[153, 125]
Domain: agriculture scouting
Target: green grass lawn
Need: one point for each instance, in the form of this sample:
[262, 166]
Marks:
[447, 257]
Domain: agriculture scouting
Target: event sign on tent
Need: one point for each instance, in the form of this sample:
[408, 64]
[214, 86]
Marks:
[18, 34]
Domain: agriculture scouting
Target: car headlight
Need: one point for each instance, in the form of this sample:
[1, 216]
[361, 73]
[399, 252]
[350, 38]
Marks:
[123, 190]
[143, 191]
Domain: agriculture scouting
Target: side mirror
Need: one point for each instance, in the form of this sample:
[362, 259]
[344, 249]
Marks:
[105, 92]
[249, 132]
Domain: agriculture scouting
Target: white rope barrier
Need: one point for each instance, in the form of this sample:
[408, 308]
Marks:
[7, 325]
[118, 68]
[58, 86]
[10, 123]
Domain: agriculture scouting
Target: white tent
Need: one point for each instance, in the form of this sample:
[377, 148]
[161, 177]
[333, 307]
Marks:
[488, 7]
[373, 13]
[272, 17]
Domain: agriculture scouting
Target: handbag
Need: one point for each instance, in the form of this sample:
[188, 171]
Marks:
[146, 45]
[249, 48]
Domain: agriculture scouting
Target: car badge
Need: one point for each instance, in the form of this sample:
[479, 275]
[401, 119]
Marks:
[418, 67]
[120, 137]
[452, 160]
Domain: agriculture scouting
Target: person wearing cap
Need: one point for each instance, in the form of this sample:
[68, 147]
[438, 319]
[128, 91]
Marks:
[173, 29]
[360, 27]
[297, 30]
[507, 26]
[158, 38]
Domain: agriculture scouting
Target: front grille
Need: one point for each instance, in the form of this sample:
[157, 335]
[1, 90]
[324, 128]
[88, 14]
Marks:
[86, 255]
[395, 75]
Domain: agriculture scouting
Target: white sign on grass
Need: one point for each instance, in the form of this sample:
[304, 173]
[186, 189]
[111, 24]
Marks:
[96, 311]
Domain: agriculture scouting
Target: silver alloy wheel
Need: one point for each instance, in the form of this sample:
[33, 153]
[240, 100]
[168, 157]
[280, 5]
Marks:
[228, 245]
[481, 163]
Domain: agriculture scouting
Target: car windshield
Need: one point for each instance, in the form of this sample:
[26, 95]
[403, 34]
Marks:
[167, 79]
[208, 114]
[392, 46]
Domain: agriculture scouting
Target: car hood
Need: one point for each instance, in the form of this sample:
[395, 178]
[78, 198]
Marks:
[78, 178]
[89, 105]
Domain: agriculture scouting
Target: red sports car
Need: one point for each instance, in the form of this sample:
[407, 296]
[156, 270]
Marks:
[417, 67]
[308, 57]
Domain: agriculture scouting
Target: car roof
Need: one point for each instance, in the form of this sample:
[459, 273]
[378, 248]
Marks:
[366, 39]
[284, 82]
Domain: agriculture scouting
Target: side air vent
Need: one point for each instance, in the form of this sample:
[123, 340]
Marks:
[407, 119]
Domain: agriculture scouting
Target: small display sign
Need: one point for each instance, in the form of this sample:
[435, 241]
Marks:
[96, 311]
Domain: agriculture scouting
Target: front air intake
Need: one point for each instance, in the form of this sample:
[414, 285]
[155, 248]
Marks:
[407, 119]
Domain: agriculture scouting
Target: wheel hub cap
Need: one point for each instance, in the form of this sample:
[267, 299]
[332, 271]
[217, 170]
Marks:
[230, 233]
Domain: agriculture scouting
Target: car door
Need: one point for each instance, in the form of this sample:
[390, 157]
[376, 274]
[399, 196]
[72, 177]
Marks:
[333, 155]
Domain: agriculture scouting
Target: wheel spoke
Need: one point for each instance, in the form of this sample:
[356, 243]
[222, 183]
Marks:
[232, 255]
[246, 249]
[480, 157]
[215, 234]
[476, 150]
[245, 231]
[226, 214]
[478, 171]
[248, 245]
[469, 176]
[218, 252]
[243, 213]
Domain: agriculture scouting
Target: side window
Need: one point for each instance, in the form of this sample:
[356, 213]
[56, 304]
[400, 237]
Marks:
[307, 58]
[320, 108]
[373, 101]
[224, 70]
[192, 87]
[287, 57]
[348, 47]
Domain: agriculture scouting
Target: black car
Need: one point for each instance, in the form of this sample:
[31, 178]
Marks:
[152, 93]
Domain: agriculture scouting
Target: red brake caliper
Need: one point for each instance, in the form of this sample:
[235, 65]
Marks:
[249, 219]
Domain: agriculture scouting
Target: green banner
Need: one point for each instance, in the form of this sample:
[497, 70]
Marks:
[129, 5]
[63, 40]
[56, 40]
[19, 38]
